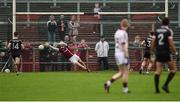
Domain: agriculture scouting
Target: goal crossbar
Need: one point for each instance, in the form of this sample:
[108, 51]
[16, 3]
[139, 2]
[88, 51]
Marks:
[82, 13]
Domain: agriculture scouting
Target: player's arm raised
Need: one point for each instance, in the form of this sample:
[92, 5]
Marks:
[9, 44]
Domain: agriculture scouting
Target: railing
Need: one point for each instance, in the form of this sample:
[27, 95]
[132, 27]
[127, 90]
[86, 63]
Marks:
[90, 60]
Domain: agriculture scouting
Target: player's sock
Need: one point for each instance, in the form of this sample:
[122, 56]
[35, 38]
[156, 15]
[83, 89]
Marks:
[18, 66]
[169, 78]
[141, 69]
[112, 80]
[18, 69]
[124, 84]
[109, 82]
[125, 88]
[147, 71]
[156, 81]
[88, 70]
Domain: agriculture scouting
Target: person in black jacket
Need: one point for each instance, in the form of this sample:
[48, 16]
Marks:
[62, 26]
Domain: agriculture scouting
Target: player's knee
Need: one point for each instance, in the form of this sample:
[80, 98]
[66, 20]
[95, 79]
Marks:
[144, 62]
[119, 72]
[125, 77]
[157, 72]
[173, 71]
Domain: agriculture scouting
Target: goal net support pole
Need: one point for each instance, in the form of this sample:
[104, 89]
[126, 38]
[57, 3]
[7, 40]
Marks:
[166, 8]
[13, 18]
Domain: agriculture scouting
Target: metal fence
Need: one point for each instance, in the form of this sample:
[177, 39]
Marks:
[32, 60]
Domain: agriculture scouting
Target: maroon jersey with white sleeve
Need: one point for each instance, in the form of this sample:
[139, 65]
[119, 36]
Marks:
[66, 52]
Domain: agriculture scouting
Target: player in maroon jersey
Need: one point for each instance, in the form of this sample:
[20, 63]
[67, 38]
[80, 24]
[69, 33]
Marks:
[73, 58]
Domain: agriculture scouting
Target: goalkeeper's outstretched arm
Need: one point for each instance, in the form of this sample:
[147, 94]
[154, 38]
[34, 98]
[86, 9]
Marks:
[54, 48]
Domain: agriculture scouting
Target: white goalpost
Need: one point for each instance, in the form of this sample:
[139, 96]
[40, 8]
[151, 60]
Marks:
[13, 18]
[79, 13]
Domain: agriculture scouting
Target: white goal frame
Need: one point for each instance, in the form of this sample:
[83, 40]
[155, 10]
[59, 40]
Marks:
[14, 13]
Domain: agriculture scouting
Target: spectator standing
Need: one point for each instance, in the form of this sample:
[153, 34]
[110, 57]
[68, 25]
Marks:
[102, 48]
[97, 9]
[62, 26]
[73, 28]
[51, 25]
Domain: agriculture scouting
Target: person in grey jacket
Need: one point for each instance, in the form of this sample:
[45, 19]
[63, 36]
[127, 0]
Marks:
[73, 26]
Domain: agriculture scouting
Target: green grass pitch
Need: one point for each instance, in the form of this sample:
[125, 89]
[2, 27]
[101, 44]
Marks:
[82, 86]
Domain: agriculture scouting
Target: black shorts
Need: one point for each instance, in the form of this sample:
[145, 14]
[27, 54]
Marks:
[163, 56]
[15, 54]
[147, 54]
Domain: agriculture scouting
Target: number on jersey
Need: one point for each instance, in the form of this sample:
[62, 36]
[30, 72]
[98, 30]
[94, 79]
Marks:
[160, 39]
[16, 46]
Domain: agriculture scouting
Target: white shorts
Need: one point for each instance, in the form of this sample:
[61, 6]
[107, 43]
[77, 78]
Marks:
[121, 59]
[74, 59]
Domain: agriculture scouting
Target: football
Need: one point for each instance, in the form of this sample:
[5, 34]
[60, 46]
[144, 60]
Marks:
[7, 70]
[41, 47]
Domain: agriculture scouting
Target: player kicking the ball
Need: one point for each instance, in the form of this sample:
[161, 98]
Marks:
[163, 45]
[15, 45]
[121, 56]
[73, 58]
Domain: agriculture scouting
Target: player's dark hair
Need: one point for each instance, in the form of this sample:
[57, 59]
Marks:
[16, 34]
[165, 21]
[71, 42]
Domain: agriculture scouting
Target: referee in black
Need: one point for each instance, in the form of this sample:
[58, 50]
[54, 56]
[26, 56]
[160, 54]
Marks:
[164, 47]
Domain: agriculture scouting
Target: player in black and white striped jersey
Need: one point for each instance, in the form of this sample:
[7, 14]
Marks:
[147, 54]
